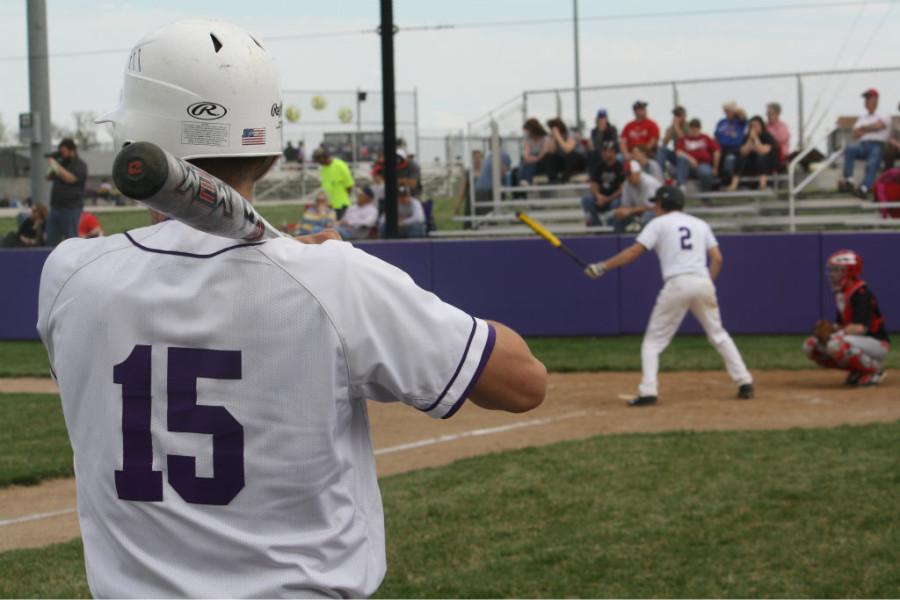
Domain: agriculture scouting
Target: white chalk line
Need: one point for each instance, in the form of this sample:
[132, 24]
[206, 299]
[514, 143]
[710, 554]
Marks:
[442, 439]
[451, 437]
[37, 517]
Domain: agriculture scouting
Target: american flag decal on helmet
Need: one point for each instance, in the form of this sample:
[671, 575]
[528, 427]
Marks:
[253, 137]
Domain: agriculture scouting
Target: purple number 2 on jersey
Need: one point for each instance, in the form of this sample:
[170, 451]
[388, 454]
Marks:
[685, 238]
[137, 480]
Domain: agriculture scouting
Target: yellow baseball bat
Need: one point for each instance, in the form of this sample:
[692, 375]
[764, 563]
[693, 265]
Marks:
[547, 235]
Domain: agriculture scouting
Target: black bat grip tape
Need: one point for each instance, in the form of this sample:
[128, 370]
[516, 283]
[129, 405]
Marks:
[140, 170]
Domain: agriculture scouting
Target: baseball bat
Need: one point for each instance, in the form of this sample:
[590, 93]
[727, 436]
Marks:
[547, 235]
[181, 191]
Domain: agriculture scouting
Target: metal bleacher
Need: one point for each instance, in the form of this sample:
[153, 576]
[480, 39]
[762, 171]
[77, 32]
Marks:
[791, 204]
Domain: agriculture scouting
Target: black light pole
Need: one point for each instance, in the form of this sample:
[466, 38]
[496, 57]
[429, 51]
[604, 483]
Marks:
[389, 118]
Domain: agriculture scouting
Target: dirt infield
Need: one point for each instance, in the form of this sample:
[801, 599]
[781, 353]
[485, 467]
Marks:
[577, 406]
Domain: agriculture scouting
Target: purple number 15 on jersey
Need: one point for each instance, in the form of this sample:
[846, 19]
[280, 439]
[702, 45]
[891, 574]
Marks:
[137, 481]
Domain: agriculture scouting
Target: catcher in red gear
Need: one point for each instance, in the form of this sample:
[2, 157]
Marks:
[857, 342]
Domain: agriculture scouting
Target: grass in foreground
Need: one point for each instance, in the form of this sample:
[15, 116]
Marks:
[33, 439]
[798, 513]
[622, 353]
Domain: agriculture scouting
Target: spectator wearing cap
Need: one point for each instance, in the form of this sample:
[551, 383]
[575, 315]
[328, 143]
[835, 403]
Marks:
[871, 131]
[569, 156]
[666, 155]
[69, 174]
[778, 129]
[607, 176]
[642, 131]
[758, 155]
[637, 206]
[730, 133]
[410, 215]
[89, 226]
[537, 153]
[335, 179]
[698, 156]
[603, 131]
[360, 218]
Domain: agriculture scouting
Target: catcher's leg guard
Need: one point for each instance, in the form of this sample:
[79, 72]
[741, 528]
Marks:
[817, 353]
[850, 357]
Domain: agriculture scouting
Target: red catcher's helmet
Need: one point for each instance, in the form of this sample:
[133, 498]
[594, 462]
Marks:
[843, 267]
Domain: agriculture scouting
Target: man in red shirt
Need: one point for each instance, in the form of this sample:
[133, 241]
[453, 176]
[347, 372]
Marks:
[642, 132]
[697, 155]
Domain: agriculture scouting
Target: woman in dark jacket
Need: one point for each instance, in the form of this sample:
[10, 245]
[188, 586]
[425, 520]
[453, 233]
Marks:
[31, 230]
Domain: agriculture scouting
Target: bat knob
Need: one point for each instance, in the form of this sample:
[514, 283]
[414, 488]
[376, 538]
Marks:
[140, 170]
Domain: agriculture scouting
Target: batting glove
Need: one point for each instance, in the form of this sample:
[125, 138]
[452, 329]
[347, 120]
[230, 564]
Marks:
[595, 270]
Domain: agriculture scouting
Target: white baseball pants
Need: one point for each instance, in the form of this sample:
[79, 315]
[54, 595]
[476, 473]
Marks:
[680, 293]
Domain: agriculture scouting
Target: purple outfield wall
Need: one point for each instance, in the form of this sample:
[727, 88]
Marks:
[770, 283]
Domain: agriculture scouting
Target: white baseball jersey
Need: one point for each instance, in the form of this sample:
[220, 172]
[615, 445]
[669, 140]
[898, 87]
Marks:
[214, 393]
[869, 119]
[681, 242]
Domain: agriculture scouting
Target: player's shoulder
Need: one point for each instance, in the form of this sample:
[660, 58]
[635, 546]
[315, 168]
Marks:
[75, 253]
[332, 263]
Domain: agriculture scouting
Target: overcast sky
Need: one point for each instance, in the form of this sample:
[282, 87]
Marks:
[461, 74]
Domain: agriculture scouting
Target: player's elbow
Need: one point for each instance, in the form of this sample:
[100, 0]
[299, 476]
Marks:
[532, 388]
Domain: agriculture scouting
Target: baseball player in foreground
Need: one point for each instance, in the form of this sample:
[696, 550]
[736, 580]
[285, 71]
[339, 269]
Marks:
[215, 391]
[682, 243]
[858, 342]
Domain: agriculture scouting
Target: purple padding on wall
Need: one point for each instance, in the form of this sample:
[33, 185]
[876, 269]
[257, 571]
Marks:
[20, 272]
[768, 285]
[414, 257]
[529, 285]
[880, 252]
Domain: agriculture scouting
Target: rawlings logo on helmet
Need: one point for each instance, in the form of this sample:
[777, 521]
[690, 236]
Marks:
[206, 111]
[843, 267]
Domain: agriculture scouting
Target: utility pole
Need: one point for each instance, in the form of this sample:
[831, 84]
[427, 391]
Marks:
[389, 118]
[39, 97]
[577, 67]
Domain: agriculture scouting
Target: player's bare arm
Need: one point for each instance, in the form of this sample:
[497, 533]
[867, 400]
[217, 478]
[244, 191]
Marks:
[626, 256]
[715, 262]
[513, 379]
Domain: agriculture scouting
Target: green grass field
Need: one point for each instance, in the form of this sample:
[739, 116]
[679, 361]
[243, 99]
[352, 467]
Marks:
[622, 353]
[798, 513]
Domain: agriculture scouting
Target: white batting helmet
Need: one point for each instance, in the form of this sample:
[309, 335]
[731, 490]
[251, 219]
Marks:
[200, 89]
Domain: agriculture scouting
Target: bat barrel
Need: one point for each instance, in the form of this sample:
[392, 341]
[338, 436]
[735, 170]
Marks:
[141, 170]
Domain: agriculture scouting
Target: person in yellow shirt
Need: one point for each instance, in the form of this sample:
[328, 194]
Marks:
[335, 179]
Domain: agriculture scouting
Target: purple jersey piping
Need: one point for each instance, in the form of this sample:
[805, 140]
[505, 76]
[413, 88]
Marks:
[485, 355]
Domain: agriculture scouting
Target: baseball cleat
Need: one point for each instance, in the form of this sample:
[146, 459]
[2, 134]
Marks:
[853, 378]
[870, 379]
[642, 401]
[745, 392]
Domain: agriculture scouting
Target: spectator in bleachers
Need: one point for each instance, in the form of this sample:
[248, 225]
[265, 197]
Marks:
[31, 230]
[642, 131]
[603, 131]
[290, 153]
[650, 166]
[409, 173]
[778, 130]
[361, 217]
[698, 156]
[538, 151]
[758, 155]
[89, 226]
[730, 133]
[871, 130]
[637, 207]
[484, 185]
[607, 177]
[667, 155]
[317, 216]
[567, 152]
[410, 215]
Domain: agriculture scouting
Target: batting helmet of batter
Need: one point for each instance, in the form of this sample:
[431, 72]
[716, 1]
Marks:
[669, 198]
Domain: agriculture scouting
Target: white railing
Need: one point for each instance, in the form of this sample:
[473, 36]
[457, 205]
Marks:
[794, 189]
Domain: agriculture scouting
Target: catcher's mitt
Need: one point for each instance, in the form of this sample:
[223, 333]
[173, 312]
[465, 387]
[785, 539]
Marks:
[823, 330]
